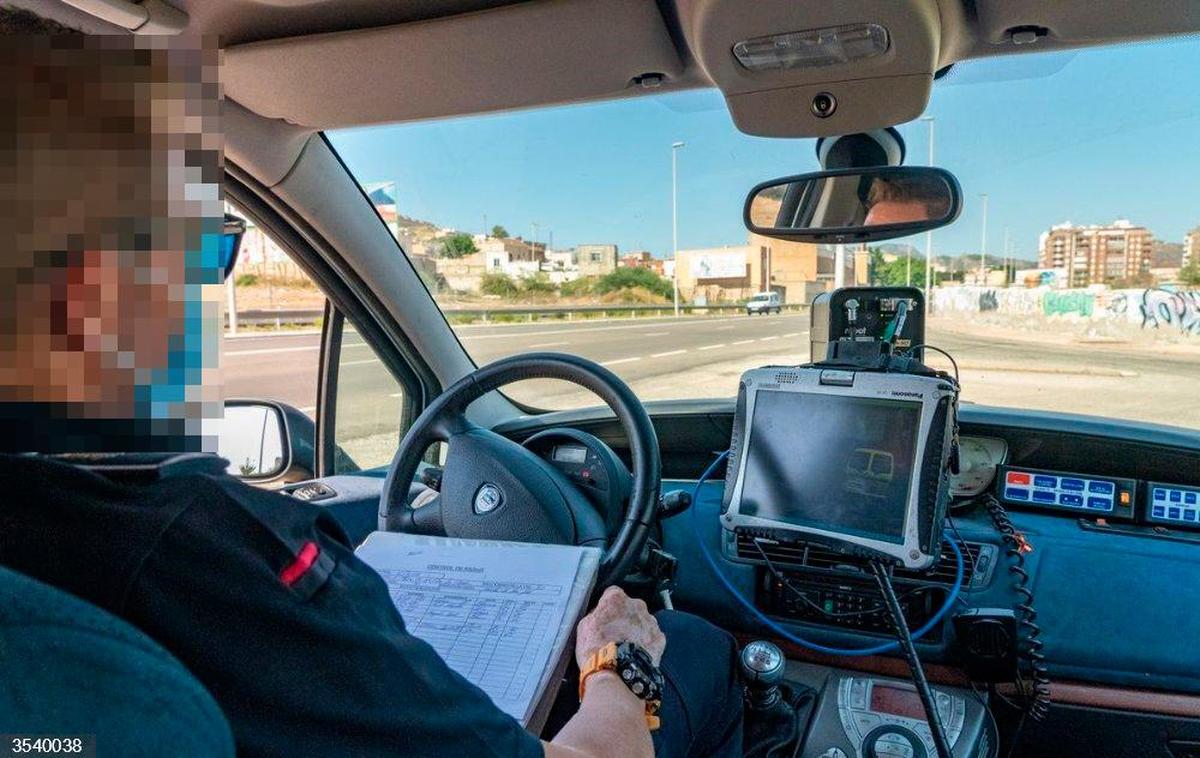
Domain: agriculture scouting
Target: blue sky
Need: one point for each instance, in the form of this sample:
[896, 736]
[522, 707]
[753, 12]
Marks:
[1087, 137]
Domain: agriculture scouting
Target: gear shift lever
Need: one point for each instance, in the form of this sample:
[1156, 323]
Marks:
[762, 670]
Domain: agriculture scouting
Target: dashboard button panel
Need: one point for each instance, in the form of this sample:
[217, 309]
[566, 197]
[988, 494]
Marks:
[1173, 504]
[1063, 491]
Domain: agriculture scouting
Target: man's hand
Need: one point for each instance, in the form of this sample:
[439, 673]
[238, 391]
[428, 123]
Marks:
[618, 618]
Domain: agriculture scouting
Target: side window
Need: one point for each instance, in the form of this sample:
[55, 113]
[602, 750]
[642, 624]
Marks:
[369, 406]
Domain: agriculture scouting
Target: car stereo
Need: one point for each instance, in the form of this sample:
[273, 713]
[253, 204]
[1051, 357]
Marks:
[853, 460]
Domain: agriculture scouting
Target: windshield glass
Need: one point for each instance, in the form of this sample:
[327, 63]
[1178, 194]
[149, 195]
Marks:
[1068, 283]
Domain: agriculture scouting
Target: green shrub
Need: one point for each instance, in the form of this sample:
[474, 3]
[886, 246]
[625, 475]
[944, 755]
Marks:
[578, 287]
[538, 284]
[634, 277]
[246, 280]
[500, 285]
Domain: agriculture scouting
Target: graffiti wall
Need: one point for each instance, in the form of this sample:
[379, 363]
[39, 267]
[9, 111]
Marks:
[1160, 309]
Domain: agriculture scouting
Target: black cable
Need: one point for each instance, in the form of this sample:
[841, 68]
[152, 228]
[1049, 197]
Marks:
[954, 363]
[884, 578]
[1015, 546]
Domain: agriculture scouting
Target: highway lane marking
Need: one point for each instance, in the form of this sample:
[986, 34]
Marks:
[742, 342]
[359, 363]
[655, 334]
[297, 349]
[578, 329]
[549, 344]
[724, 328]
[792, 334]
[711, 347]
[669, 352]
[620, 361]
[767, 339]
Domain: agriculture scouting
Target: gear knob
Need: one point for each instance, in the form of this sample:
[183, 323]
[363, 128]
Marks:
[762, 665]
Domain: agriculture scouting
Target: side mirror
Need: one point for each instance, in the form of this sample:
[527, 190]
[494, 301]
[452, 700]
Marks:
[854, 205]
[254, 439]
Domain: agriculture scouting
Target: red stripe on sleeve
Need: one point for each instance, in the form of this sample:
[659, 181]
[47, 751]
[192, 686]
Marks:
[304, 561]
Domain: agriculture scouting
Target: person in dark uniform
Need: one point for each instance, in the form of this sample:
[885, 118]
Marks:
[259, 595]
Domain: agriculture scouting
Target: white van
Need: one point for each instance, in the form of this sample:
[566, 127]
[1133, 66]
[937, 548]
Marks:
[764, 302]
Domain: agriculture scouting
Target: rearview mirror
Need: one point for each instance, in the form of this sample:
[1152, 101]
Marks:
[254, 439]
[854, 205]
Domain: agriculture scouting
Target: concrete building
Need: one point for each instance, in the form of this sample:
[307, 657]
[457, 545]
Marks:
[1191, 247]
[596, 260]
[734, 273]
[1116, 253]
[514, 257]
[641, 259]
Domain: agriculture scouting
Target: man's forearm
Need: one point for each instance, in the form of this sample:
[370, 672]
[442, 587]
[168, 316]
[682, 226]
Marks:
[611, 721]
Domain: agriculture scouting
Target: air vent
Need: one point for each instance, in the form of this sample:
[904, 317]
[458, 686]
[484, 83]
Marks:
[786, 377]
[793, 555]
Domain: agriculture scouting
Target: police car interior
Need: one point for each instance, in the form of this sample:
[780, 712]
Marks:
[941, 577]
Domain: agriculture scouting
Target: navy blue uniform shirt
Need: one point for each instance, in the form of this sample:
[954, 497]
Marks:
[261, 597]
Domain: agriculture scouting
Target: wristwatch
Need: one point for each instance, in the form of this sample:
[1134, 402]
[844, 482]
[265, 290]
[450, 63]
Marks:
[635, 668]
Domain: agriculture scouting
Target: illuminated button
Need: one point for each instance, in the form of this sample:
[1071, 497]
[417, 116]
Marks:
[1189, 498]
[1075, 485]
[1159, 511]
[1016, 477]
[1044, 497]
[1160, 493]
[1189, 515]
[1099, 504]
[1071, 500]
[1176, 496]
[1173, 513]
[1016, 493]
[1045, 481]
[1104, 488]
[1125, 497]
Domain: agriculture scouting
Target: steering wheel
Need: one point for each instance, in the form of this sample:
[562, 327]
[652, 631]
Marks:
[493, 488]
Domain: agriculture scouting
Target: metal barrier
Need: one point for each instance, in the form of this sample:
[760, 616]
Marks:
[298, 317]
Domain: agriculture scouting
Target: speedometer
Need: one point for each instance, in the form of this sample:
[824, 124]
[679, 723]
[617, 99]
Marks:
[978, 458]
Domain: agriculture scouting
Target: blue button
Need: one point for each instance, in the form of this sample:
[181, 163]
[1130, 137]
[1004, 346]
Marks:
[1104, 488]
[1099, 503]
[1189, 498]
[1160, 511]
[1173, 513]
[1189, 515]
[1016, 493]
[1176, 496]
[1160, 493]
[1075, 500]
[1043, 497]
[1045, 481]
[1071, 484]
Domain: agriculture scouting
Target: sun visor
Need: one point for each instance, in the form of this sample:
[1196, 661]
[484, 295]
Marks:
[790, 69]
[511, 57]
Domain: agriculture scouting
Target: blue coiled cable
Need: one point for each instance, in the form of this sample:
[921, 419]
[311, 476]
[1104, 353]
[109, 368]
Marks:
[785, 634]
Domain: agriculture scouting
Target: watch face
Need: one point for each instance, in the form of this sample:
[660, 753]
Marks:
[636, 668]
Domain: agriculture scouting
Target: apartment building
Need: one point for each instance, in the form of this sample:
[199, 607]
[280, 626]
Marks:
[1097, 254]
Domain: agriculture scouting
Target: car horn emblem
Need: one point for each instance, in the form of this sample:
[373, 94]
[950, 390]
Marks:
[488, 498]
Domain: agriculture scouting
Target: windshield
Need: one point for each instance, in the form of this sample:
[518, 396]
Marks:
[1068, 282]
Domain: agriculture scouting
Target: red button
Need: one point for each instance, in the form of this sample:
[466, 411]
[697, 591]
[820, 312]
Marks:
[1015, 477]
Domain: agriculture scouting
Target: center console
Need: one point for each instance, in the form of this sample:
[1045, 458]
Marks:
[860, 716]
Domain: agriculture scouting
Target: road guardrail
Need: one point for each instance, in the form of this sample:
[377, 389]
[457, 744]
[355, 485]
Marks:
[307, 317]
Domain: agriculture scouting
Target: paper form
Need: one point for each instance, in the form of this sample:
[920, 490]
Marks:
[493, 611]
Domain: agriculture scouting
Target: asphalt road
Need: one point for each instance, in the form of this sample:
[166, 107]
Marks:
[703, 357]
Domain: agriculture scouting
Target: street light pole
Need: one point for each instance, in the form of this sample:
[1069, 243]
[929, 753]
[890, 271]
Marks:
[929, 234]
[983, 244]
[675, 225]
[1006, 256]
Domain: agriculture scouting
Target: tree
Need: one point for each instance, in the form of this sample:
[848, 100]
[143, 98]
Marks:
[1190, 274]
[499, 232]
[458, 246]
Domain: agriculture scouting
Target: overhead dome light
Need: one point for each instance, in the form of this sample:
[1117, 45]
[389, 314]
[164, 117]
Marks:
[813, 48]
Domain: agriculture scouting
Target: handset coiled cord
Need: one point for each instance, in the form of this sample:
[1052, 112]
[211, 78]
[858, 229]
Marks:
[1031, 644]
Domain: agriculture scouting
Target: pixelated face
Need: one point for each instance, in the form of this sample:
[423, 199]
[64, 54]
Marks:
[109, 176]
